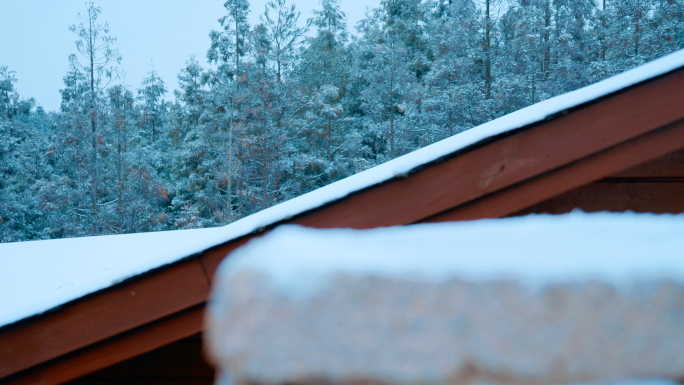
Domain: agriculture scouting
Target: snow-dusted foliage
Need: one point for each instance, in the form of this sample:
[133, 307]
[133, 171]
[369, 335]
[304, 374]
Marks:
[282, 112]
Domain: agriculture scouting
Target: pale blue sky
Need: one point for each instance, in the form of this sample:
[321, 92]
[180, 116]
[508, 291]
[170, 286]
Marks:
[35, 40]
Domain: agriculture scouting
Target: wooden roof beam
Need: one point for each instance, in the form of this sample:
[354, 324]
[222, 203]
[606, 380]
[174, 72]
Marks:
[608, 162]
[114, 350]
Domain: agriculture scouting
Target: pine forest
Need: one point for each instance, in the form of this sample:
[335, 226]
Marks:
[293, 103]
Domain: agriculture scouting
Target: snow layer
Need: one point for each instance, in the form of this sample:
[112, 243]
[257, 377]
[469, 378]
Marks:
[30, 272]
[537, 250]
[40, 275]
[533, 300]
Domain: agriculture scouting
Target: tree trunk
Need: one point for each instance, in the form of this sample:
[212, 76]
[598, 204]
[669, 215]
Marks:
[547, 40]
[328, 135]
[636, 33]
[229, 187]
[605, 37]
[487, 63]
[120, 177]
[264, 173]
[392, 110]
[93, 171]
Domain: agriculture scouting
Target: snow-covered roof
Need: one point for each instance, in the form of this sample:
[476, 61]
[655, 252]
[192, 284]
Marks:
[37, 276]
[537, 250]
[33, 274]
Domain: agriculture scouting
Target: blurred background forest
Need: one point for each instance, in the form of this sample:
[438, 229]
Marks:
[293, 104]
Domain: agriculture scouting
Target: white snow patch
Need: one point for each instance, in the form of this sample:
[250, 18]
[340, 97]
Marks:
[536, 250]
[635, 381]
[39, 275]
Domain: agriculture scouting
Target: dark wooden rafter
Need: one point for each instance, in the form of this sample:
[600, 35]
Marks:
[496, 179]
[644, 197]
[655, 187]
[114, 350]
[179, 363]
[668, 166]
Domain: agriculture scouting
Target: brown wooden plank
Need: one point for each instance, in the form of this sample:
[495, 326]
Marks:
[102, 316]
[182, 360]
[511, 200]
[617, 197]
[148, 381]
[114, 350]
[668, 166]
[510, 160]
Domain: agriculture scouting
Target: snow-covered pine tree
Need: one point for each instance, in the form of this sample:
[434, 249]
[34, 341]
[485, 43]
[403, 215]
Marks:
[98, 58]
[453, 93]
[388, 100]
[21, 165]
[151, 95]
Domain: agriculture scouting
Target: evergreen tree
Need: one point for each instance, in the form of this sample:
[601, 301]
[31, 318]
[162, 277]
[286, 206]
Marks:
[454, 93]
[230, 45]
[21, 166]
[323, 75]
[281, 35]
[150, 94]
[98, 57]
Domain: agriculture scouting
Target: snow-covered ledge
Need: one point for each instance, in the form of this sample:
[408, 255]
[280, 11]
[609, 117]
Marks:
[531, 300]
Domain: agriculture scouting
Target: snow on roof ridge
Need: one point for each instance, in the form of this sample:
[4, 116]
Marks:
[188, 242]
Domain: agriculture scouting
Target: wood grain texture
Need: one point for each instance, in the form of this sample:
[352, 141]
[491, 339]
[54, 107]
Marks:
[548, 185]
[178, 362]
[510, 160]
[642, 197]
[114, 350]
[668, 166]
[102, 316]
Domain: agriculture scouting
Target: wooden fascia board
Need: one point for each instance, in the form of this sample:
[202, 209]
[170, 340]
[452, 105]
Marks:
[113, 350]
[440, 187]
[551, 184]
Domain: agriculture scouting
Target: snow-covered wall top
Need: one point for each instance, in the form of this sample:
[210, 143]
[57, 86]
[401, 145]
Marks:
[33, 274]
[532, 300]
[537, 250]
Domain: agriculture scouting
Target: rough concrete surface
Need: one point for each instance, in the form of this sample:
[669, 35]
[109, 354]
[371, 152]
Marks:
[365, 329]
[522, 301]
